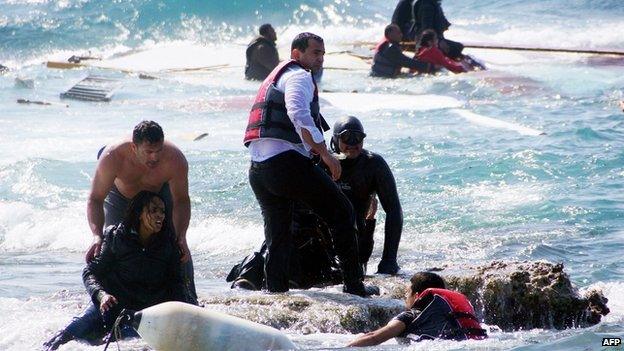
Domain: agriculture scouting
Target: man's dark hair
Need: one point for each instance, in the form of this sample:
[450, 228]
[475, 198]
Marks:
[264, 29]
[389, 28]
[132, 219]
[147, 131]
[427, 36]
[301, 41]
[425, 280]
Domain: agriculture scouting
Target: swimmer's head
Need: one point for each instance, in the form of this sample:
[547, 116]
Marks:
[147, 141]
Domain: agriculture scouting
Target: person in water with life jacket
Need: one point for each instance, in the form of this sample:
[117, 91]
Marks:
[429, 51]
[432, 312]
[389, 58]
[138, 267]
[261, 54]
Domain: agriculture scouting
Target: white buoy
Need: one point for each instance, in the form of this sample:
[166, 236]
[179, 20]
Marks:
[177, 326]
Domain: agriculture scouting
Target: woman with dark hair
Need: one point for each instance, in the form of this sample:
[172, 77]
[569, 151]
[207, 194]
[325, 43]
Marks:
[139, 266]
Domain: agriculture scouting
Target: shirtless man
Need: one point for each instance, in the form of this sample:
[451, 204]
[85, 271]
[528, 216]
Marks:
[147, 162]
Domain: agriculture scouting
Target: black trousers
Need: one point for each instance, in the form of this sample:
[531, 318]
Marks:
[281, 181]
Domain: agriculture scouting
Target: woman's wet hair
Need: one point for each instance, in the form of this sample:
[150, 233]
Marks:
[427, 36]
[132, 220]
[422, 281]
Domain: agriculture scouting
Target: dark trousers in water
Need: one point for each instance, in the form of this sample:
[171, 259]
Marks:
[115, 206]
[281, 181]
[92, 326]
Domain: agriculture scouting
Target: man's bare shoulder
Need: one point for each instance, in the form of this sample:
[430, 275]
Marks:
[116, 152]
[175, 156]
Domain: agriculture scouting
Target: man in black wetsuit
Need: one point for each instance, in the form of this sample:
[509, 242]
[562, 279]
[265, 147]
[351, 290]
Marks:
[389, 57]
[262, 56]
[365, 175]
[428, 14]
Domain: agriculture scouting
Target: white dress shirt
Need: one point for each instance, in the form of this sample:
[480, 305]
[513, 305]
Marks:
[298, 88]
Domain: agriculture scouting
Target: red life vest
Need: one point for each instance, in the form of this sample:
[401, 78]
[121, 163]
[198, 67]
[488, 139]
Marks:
[461, 310]
[268, 117]
[435, 56]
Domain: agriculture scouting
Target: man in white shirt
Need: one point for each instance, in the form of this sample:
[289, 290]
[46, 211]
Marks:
[285, 128]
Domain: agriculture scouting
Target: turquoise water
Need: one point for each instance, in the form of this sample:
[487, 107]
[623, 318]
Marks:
[470, 193]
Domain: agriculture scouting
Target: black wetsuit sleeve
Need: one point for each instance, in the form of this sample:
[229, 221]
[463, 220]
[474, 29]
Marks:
[396, 56]
[385, 187]
[98, 268]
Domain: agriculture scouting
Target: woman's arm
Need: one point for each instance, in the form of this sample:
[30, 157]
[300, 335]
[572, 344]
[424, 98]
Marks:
[392, 329]
[96, 269]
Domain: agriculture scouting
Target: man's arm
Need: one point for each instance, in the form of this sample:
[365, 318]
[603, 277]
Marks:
[321, 149]
[392, 329]
[181, 213]
[395, 54]
[298, 94]
[103, 180]
[385, 187]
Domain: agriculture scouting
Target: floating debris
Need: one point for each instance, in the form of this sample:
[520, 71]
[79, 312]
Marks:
[93, 88]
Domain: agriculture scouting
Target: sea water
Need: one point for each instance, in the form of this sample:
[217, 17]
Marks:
[471, 193]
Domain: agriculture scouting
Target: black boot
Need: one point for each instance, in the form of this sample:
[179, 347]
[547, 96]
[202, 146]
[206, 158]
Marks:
[361, 289]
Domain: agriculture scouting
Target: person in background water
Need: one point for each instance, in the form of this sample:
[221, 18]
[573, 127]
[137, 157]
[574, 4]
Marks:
[432, 312]
[146, 162]
[364, 176]
[137, 267]
[285, 127]
[403, 16]
[428, 51]
[389, 58]
[262, 56]
[428, 14]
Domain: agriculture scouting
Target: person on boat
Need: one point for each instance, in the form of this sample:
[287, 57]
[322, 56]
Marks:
[365, 176]
[145, 162]
[389, 58]
[262, 55]
[138, 267]
[284, 130]
[432, 312]
[428, 14]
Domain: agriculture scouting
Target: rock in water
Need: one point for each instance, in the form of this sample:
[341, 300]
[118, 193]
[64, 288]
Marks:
[510, 295]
